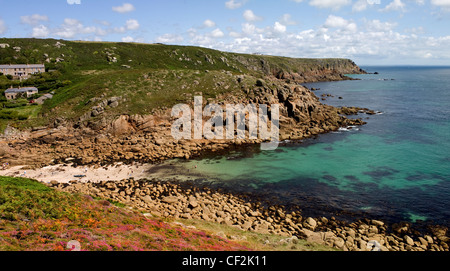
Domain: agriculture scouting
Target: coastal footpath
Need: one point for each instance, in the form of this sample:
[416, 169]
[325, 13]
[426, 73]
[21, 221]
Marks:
[170, 199]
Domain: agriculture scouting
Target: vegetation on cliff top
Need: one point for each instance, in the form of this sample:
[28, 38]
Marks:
[144, 76]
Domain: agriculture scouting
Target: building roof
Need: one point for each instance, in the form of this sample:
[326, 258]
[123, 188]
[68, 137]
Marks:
[20, 90]
[44, 97]
[21, 66]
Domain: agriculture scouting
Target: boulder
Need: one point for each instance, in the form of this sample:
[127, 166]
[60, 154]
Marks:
[377, 223]
[311, 237]
[246, 225]
[339, 243]
[147, 199]
[409, 240]
[262, 227]
[260, 83]
[401, 228]
[351, 233]
[423, 241]
[170, 199]
[310, 223]
[122, 126]
[193, 204]
[255, 214]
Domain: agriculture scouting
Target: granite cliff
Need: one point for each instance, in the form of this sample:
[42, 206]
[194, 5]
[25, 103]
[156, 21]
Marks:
[117, 103]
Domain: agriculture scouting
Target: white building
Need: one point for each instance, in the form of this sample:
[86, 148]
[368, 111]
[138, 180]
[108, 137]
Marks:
[22, 70]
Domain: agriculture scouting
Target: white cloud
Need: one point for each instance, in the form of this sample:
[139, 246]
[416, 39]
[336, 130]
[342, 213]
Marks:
[127, 7]
[441, 3]
[378, 26]
[360, 5]
[333, 4]
[416, 30]
[395, 5]
[339, 22]
[207, 39]
[69, 28]
[72, 2]
[217, 33]
[286, 20]
[280, 28]
[373, 41]
[127, 39]
[248, 28]
[249, 16]
[208, 23]
[2, 27]
[121, 29]
[40, 31]
[33, 19]
[335, 21]
[132, 24]
[105, 23]
[234, 34]
[192, 32]
[233, 4]
[169, 38]
[72, 27]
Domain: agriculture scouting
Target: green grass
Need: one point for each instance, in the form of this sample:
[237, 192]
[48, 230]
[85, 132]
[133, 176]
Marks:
[27, 199]
[21, 117]
[155, 78]
[29, 111]
[38, 218]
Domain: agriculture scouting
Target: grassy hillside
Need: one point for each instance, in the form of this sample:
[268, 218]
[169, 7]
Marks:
[36, 217]
[144, 76]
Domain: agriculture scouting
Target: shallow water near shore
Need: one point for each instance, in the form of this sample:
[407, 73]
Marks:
[396, 168]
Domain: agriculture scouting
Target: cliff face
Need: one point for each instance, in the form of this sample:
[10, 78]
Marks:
[148, 138]
[300, 70]
[118, 107]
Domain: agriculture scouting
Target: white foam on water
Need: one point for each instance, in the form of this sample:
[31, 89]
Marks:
[348, 129]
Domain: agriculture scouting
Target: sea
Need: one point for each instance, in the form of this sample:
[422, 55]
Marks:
[395, 168]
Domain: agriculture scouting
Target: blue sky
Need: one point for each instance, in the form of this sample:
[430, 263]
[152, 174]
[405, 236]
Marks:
[371, 32]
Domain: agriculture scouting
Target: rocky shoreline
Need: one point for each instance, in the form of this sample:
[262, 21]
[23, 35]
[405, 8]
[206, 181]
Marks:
[98, 139]
[148, 139]
[188, 201]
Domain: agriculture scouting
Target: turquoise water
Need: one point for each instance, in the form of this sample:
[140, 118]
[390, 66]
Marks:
[397, 167]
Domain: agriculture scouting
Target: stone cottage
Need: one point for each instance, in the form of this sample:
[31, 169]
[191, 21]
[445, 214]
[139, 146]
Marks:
[11, 93]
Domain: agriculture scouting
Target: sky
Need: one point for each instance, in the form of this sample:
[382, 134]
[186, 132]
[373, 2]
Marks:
[370, 32]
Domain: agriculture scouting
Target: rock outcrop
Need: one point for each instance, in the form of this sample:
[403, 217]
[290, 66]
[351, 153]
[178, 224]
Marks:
[147, 138]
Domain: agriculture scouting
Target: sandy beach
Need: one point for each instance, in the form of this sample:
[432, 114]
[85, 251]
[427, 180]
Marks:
[65, 173]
